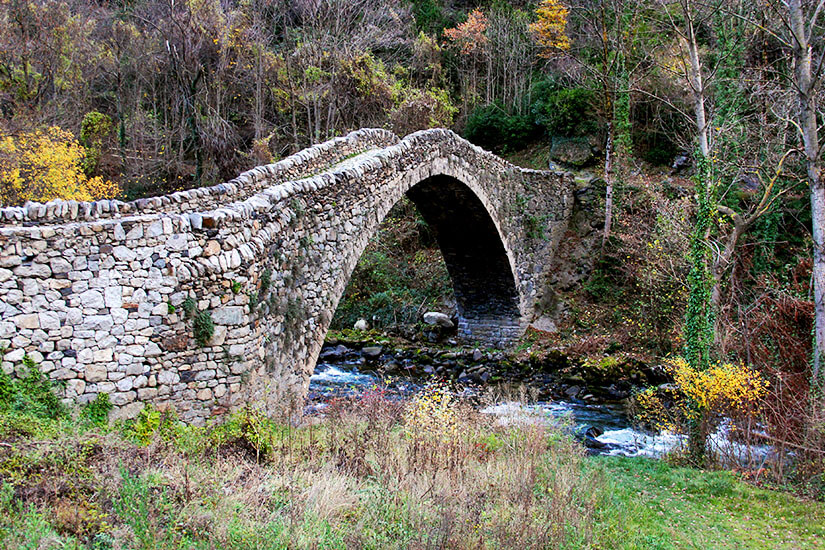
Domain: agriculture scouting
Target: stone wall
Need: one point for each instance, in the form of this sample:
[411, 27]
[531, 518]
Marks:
[106, 296]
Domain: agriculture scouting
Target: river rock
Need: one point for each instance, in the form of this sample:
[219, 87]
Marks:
[572, 391]
[439, 319]
[392, 366]
[337, 352]
[589, 438]
[372, 352]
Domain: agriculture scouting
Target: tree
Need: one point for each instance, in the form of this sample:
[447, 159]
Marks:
[470, 39]
[550, 28]
[805, 38]
[45, 165]
[603, 43]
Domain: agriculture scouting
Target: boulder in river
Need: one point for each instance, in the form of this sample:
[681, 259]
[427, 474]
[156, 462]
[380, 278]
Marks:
[572, 391]
[439, 319]
[337, 352]
[372, 352]
[589, 438]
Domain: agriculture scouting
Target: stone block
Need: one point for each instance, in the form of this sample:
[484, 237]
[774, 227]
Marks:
[49, 320]
[28, 321]
[96, 372]
[231, 315]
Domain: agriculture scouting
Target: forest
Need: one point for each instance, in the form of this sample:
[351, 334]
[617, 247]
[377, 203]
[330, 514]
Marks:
[692, 127]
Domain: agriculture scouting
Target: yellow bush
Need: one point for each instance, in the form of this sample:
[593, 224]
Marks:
[721, 389]
[45, 165]
[702, 397]
[432, 415]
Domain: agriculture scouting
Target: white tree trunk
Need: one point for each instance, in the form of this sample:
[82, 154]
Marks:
[806, 114]
[608, 180]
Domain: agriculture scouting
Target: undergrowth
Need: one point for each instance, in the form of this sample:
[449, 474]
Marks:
[372, 473]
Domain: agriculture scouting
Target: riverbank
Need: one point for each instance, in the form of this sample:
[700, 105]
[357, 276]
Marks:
[373, 473]
[548, 370]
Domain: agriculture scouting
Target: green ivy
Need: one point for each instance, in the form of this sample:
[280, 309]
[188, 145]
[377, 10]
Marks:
[700, 317]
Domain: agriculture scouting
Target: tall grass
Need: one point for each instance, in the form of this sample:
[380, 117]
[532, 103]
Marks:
[375, 473]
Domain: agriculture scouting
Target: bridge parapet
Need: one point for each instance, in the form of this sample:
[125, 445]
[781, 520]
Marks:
[302, 164]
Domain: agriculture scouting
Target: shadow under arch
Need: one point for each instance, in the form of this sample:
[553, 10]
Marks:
[480, 269]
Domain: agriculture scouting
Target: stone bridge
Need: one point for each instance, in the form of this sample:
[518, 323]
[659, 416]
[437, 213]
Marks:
[119, 297]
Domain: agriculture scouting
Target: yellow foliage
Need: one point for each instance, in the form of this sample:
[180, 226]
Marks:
[432, 415]
[702, 396]
[45, 165]
[721, 389]
[651, 410]
[550, 29]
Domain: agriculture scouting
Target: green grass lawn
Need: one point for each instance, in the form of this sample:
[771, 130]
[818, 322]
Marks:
[652, 505]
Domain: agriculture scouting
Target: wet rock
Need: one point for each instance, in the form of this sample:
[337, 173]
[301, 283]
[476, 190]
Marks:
[572, 391]
[589, 438]
[392, 366]
[372, 352]
[681, 163]
[617, 393]
[337, 352]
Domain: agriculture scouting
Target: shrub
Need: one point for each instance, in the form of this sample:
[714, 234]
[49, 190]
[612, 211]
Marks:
[97, 411]
[203, 327]
[94, 129]
[249, 430]
[266, 281]
[151, 422]
[563, 111]
[30, 394]
[428, 14]
[189, 305]
[492, 128]
[419, 109]
[700, 399]
[45, 165]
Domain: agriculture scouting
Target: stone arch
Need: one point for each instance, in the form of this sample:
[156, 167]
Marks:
[481, 268]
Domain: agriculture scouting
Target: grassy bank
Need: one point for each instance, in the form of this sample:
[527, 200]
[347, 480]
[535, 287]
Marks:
[432, 473]
[659, 506]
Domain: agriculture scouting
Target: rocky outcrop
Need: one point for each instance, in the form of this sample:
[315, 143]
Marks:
[572, 152]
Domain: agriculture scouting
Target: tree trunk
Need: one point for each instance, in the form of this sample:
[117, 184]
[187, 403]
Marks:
[698, 89]
[806, 98]
[608, 179]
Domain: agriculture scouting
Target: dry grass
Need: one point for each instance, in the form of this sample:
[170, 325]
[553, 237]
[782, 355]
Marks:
[362, 478]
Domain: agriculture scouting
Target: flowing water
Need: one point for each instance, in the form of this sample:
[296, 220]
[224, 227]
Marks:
[344, 378]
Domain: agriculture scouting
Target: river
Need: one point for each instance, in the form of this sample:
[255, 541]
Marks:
[610, 430]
